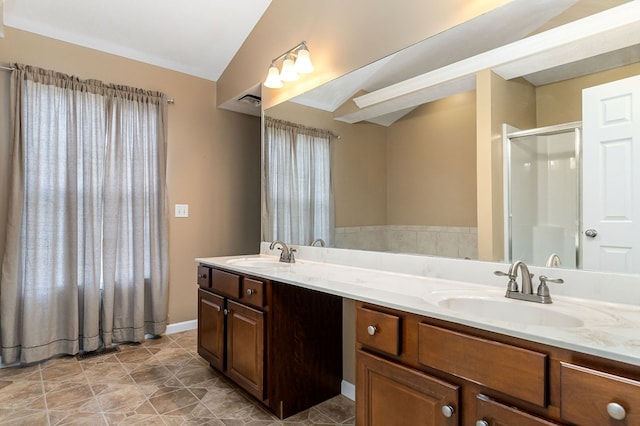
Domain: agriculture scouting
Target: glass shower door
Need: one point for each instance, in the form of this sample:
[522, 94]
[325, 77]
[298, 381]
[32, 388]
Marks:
[542, 195]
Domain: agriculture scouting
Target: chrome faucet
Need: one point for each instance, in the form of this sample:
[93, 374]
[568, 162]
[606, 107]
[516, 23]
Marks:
[527, 287]
[542, 293]
[318, 240]
[286, 254]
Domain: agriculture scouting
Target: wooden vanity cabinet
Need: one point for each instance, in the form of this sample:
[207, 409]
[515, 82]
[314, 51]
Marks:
[211, 328]
[499, 379]
[245, 347]
[281, 343]
[397, 395]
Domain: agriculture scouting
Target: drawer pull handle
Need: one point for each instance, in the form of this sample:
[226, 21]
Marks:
[250, 291]
[447, 411]
[482, 423]
[372, 330]
[616, 411]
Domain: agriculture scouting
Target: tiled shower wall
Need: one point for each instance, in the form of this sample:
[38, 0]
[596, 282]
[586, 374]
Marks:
[457, 242]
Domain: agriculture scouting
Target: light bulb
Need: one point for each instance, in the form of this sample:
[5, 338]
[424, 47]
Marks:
[303, 61]
[288, 72]
[273, 78]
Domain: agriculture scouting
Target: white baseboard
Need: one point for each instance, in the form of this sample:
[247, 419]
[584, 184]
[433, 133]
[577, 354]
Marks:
[182, 326]
[348, 390]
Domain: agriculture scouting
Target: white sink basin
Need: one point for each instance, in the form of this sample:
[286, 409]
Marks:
[256, 262]
[507, 310]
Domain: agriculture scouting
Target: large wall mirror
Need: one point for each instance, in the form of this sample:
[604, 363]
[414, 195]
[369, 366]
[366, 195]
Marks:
[407, 170]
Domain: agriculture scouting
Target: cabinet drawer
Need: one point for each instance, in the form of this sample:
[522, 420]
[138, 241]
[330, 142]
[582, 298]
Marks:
[253, 292]
[204, 276]
[378, 330]
[586, 395]
[514, 371]
[496, 414]
[225, 283]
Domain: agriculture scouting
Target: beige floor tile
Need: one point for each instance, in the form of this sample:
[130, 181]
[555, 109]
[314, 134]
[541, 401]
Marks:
[158, 382]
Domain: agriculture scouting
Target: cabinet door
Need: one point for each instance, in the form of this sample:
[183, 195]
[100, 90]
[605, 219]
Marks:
[595, 397]
[245, 347]
[211, 328]
[492, 413]
[389, 394]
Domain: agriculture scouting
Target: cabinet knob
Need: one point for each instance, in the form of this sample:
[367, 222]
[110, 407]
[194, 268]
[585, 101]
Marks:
[202, 276]
[616, 411]
[226, 311]
[447, 411]
[482, 423]
[250, 291]
[372, 330]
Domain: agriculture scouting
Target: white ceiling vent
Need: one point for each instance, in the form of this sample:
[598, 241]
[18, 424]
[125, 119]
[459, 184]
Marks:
[251, 100]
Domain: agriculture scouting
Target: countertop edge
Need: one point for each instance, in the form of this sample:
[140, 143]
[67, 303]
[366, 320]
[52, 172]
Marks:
[425, 309]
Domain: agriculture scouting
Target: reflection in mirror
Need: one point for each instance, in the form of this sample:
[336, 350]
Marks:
[407, 181]
[542, 195]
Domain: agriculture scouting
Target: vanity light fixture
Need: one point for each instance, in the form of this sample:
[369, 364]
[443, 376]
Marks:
[296, 61]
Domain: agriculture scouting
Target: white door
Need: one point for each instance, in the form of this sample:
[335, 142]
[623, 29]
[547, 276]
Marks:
[611, 177]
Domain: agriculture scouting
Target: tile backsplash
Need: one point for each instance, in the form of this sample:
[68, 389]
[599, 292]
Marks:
[456, 242]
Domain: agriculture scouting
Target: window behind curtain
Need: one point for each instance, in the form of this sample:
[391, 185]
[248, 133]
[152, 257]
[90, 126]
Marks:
[297, 192]
[87, 241]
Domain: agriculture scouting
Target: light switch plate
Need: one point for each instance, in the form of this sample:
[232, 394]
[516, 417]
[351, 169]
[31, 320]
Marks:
[182, 210]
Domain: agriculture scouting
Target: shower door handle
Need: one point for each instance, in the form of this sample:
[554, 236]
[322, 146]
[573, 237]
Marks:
[591, 233]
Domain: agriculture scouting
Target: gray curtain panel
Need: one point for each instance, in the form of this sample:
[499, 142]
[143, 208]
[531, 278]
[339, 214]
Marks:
[297, 189]
[85, 263]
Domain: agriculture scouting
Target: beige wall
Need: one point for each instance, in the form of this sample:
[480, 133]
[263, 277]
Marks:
[432, 164]
[342, 36]
[499, 101]
[394, 175]
[213, 156]
[561, 102]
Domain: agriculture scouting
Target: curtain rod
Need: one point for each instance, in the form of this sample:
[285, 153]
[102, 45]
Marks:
[170, 101]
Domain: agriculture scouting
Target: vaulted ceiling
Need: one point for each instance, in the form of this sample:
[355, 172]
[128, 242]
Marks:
[196, 37]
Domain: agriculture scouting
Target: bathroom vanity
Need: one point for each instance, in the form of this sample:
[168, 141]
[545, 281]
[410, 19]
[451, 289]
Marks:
[280, 343]
[438, 351]
[414, 369]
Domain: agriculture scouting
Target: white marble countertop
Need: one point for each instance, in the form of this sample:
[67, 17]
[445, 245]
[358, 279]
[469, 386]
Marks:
[605, 329]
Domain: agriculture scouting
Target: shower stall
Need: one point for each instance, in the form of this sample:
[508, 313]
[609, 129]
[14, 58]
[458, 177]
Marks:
[542, 195]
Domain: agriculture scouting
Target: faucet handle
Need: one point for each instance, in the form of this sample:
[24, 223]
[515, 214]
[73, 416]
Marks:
[512, 285]
[543, 289]
[544, 278]
[292, 258]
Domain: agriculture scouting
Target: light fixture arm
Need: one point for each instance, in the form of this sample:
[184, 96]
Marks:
[291, 51]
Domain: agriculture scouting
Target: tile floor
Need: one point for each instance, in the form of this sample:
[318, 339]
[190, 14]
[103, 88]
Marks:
[158, 382]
